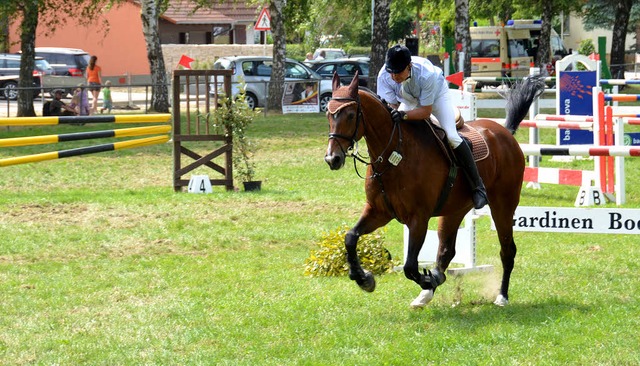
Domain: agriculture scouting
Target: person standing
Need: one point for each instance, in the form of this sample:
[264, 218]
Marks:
[416, 89]
[94, 74]
[107, 103]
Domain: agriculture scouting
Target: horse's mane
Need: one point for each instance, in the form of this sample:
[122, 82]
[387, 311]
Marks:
[419, 129]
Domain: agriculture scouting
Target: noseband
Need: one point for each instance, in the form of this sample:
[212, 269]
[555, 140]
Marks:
[352, 140]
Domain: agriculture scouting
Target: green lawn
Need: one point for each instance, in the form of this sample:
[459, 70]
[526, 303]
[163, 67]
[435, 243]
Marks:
[101, 263]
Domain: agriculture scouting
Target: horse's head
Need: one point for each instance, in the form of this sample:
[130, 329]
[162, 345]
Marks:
[343, 113]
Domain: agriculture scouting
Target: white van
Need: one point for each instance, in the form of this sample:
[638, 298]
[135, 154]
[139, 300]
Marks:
[510, 50]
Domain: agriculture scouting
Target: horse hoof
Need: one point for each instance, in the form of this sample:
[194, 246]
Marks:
[423, 299]
[369, 282]
[501, 301]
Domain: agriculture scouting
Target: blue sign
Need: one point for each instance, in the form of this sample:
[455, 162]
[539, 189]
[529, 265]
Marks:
[576, 99]
[632, 139]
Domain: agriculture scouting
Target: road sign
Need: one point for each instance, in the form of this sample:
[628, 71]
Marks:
[264, 21]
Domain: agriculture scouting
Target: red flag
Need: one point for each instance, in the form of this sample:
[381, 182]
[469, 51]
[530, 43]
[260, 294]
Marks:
[185, 61]
[456, 78]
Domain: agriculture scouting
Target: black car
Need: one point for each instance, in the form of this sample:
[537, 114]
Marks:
[346, 68]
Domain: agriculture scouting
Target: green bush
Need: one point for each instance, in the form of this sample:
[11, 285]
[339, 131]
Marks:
[297, 51]
[586, 47]
[331, 258]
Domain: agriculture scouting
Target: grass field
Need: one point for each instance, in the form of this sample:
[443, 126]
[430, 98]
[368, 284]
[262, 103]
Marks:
[101, 263]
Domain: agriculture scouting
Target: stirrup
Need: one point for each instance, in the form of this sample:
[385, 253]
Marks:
[479, 198]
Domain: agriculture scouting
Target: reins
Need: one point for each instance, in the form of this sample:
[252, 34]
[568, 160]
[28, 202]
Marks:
[352, 150]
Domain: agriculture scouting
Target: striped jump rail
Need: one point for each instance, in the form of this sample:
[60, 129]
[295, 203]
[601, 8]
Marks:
[505, 79]
[622, 97]
[556, 176]
[579, 150]
[563, 118]
[618, 82]
[558, 124]
[147, 141]
[551, 124]
[52, 139]
[122, 118]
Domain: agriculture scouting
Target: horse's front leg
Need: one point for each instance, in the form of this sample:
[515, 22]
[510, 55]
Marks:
[369, 221]
[428, 280]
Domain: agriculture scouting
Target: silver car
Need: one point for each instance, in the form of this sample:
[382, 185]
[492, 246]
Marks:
[255, 72]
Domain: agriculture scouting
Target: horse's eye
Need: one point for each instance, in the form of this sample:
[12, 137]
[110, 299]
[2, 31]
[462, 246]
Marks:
[335, 115]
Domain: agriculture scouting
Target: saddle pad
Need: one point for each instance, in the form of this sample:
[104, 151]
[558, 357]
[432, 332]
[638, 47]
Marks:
[479, 144]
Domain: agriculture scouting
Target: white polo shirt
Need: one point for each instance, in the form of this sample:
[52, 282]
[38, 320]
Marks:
[425, 85]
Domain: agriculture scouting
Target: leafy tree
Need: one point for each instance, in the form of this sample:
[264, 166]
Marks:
[463, 36]
[30, 13]
[619, 15]
[380, 39]
[150, 14]
[276, 84]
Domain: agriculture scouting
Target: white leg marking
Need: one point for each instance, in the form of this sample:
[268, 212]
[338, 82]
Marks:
[422, 300]
[501, 301]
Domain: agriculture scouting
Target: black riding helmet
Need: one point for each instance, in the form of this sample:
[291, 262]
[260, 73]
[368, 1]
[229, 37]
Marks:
[398, 58]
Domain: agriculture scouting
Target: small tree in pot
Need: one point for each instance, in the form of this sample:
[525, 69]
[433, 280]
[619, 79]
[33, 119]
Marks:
[234, 116]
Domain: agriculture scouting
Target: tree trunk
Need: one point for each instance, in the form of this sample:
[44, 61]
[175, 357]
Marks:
[543, 56]
[276, 84]
[150, 14]
[28, 43]
[463, 35]
[622, 11]
[379, 39]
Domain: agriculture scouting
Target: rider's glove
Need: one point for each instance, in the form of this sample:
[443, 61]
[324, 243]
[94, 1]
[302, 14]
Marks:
[398, 116]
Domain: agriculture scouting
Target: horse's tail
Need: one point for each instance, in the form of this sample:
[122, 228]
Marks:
[520, 98]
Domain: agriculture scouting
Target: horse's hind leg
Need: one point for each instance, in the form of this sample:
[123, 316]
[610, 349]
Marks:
[368, 222]
[503, 220]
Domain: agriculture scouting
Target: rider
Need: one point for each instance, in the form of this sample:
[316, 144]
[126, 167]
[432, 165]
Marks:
[419, 89]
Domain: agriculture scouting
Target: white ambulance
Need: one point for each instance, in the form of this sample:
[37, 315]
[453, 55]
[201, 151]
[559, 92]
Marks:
[509, 51]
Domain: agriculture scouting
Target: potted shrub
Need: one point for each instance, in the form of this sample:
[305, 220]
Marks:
[235, 116]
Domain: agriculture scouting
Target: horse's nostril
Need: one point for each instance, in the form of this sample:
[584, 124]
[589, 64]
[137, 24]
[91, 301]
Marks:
[334, 161]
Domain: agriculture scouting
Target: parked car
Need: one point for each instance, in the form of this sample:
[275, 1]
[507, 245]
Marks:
[346, 69]
[255, 72]
[10, 74]
[330, 53]
[69, 66]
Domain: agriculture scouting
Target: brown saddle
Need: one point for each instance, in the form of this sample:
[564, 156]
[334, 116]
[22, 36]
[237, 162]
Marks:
[477, 143]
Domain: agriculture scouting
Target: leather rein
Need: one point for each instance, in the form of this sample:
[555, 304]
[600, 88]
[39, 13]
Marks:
[352, 150]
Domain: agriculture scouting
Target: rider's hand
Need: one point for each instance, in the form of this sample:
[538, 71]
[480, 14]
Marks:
[397, 116]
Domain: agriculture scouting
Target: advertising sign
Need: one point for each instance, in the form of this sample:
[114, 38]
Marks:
[577, 220]
[300, 97]
[576, 99]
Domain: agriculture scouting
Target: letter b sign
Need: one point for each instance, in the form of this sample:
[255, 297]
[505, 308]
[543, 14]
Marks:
[590, 196]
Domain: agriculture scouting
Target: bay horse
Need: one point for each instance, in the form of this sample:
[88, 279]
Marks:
[408, 169]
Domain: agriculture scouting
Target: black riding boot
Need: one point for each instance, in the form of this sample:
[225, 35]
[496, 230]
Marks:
[465, 159]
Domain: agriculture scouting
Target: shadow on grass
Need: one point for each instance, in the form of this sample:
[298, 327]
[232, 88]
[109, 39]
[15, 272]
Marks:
[485, 313]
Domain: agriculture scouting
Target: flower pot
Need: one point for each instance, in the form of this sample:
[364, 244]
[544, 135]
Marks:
[255, 185]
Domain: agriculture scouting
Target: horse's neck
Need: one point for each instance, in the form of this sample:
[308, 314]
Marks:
[383, 138]
[378, 126]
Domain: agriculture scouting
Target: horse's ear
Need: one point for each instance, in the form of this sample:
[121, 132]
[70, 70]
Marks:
[353, 87]
[335, 83]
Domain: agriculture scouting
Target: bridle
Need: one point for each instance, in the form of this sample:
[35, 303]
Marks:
[352, 149]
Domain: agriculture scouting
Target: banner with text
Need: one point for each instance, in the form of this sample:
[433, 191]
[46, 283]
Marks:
[577, 220]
